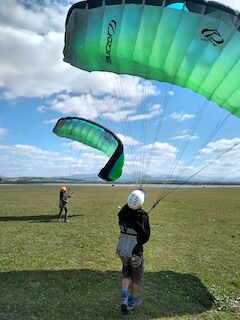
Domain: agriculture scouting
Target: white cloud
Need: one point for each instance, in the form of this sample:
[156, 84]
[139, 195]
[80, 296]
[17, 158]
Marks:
[151, 160]
[127, 140]
[85, 106]
[40, 18]
[185, 137]
[41, 109]
[220, 159]
[51, 121]
[107, 106]
[126, 86]
[3, 132]
[157, 158]
[221, 146]
[19, 160]
[181, 116]
[152, 112]
[75, 158]
[27, 150]
[37, 69]
[166, 149]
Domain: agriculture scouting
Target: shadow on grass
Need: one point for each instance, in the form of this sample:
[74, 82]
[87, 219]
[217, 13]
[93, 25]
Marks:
[36, 218]
[88, 294]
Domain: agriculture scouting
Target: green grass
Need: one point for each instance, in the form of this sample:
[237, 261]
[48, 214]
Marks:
[50, 270]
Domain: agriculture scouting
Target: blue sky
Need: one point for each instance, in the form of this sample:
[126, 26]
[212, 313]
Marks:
[155, 121]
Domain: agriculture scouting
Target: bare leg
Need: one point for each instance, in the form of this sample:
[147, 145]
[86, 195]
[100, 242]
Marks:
[125, 283]
[134, 288]
[124, 294]
[133, 301]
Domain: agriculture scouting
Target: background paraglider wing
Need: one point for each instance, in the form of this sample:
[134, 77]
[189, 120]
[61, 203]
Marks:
[94, 135]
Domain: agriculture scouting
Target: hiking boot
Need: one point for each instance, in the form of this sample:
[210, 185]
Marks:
[136, 303]
[124, 305]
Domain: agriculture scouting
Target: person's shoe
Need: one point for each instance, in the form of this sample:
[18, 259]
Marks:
[136, 303]
[59, 220]
[66, 221]
[124, 305]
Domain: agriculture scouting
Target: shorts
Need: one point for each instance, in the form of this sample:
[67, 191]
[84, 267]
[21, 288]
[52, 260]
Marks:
[135, 274]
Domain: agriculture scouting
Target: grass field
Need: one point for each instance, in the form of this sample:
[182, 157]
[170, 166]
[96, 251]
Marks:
[50, 270]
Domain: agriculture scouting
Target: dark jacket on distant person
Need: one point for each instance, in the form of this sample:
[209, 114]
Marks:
[63, 199]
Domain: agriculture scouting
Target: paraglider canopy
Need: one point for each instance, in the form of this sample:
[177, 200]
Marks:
[191, 43]
[94, 135]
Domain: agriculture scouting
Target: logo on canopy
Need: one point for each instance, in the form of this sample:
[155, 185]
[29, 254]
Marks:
[213, 36]
[112, 26]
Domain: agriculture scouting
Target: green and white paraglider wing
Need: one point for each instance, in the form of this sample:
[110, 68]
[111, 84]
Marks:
[96, 136]
[193, 43]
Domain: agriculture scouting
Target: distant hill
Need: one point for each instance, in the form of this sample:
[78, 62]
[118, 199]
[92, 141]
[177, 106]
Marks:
[90, 178]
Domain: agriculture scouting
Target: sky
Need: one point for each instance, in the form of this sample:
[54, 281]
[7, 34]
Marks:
[166, 130]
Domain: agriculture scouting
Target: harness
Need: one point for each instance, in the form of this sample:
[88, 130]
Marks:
[127, 242]
[128, 231]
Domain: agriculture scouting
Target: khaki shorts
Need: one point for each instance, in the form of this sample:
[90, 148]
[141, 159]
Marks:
[135, 274]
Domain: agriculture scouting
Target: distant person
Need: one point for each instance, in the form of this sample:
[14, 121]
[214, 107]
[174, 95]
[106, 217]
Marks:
[63, 201]
[134, 232]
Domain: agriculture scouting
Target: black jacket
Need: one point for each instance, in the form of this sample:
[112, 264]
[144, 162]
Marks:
[63, 198]
[137, 220]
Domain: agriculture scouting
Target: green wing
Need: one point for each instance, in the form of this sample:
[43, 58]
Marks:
[96, 136]
[193, 43]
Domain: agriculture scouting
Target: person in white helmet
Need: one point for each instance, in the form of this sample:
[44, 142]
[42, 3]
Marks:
[63, 201]
[134, 232]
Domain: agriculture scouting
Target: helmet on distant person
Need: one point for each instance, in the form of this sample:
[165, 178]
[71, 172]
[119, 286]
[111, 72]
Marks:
[63, 189]
[136, 199]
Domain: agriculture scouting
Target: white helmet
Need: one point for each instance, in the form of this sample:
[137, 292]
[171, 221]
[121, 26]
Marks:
[136, 199]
